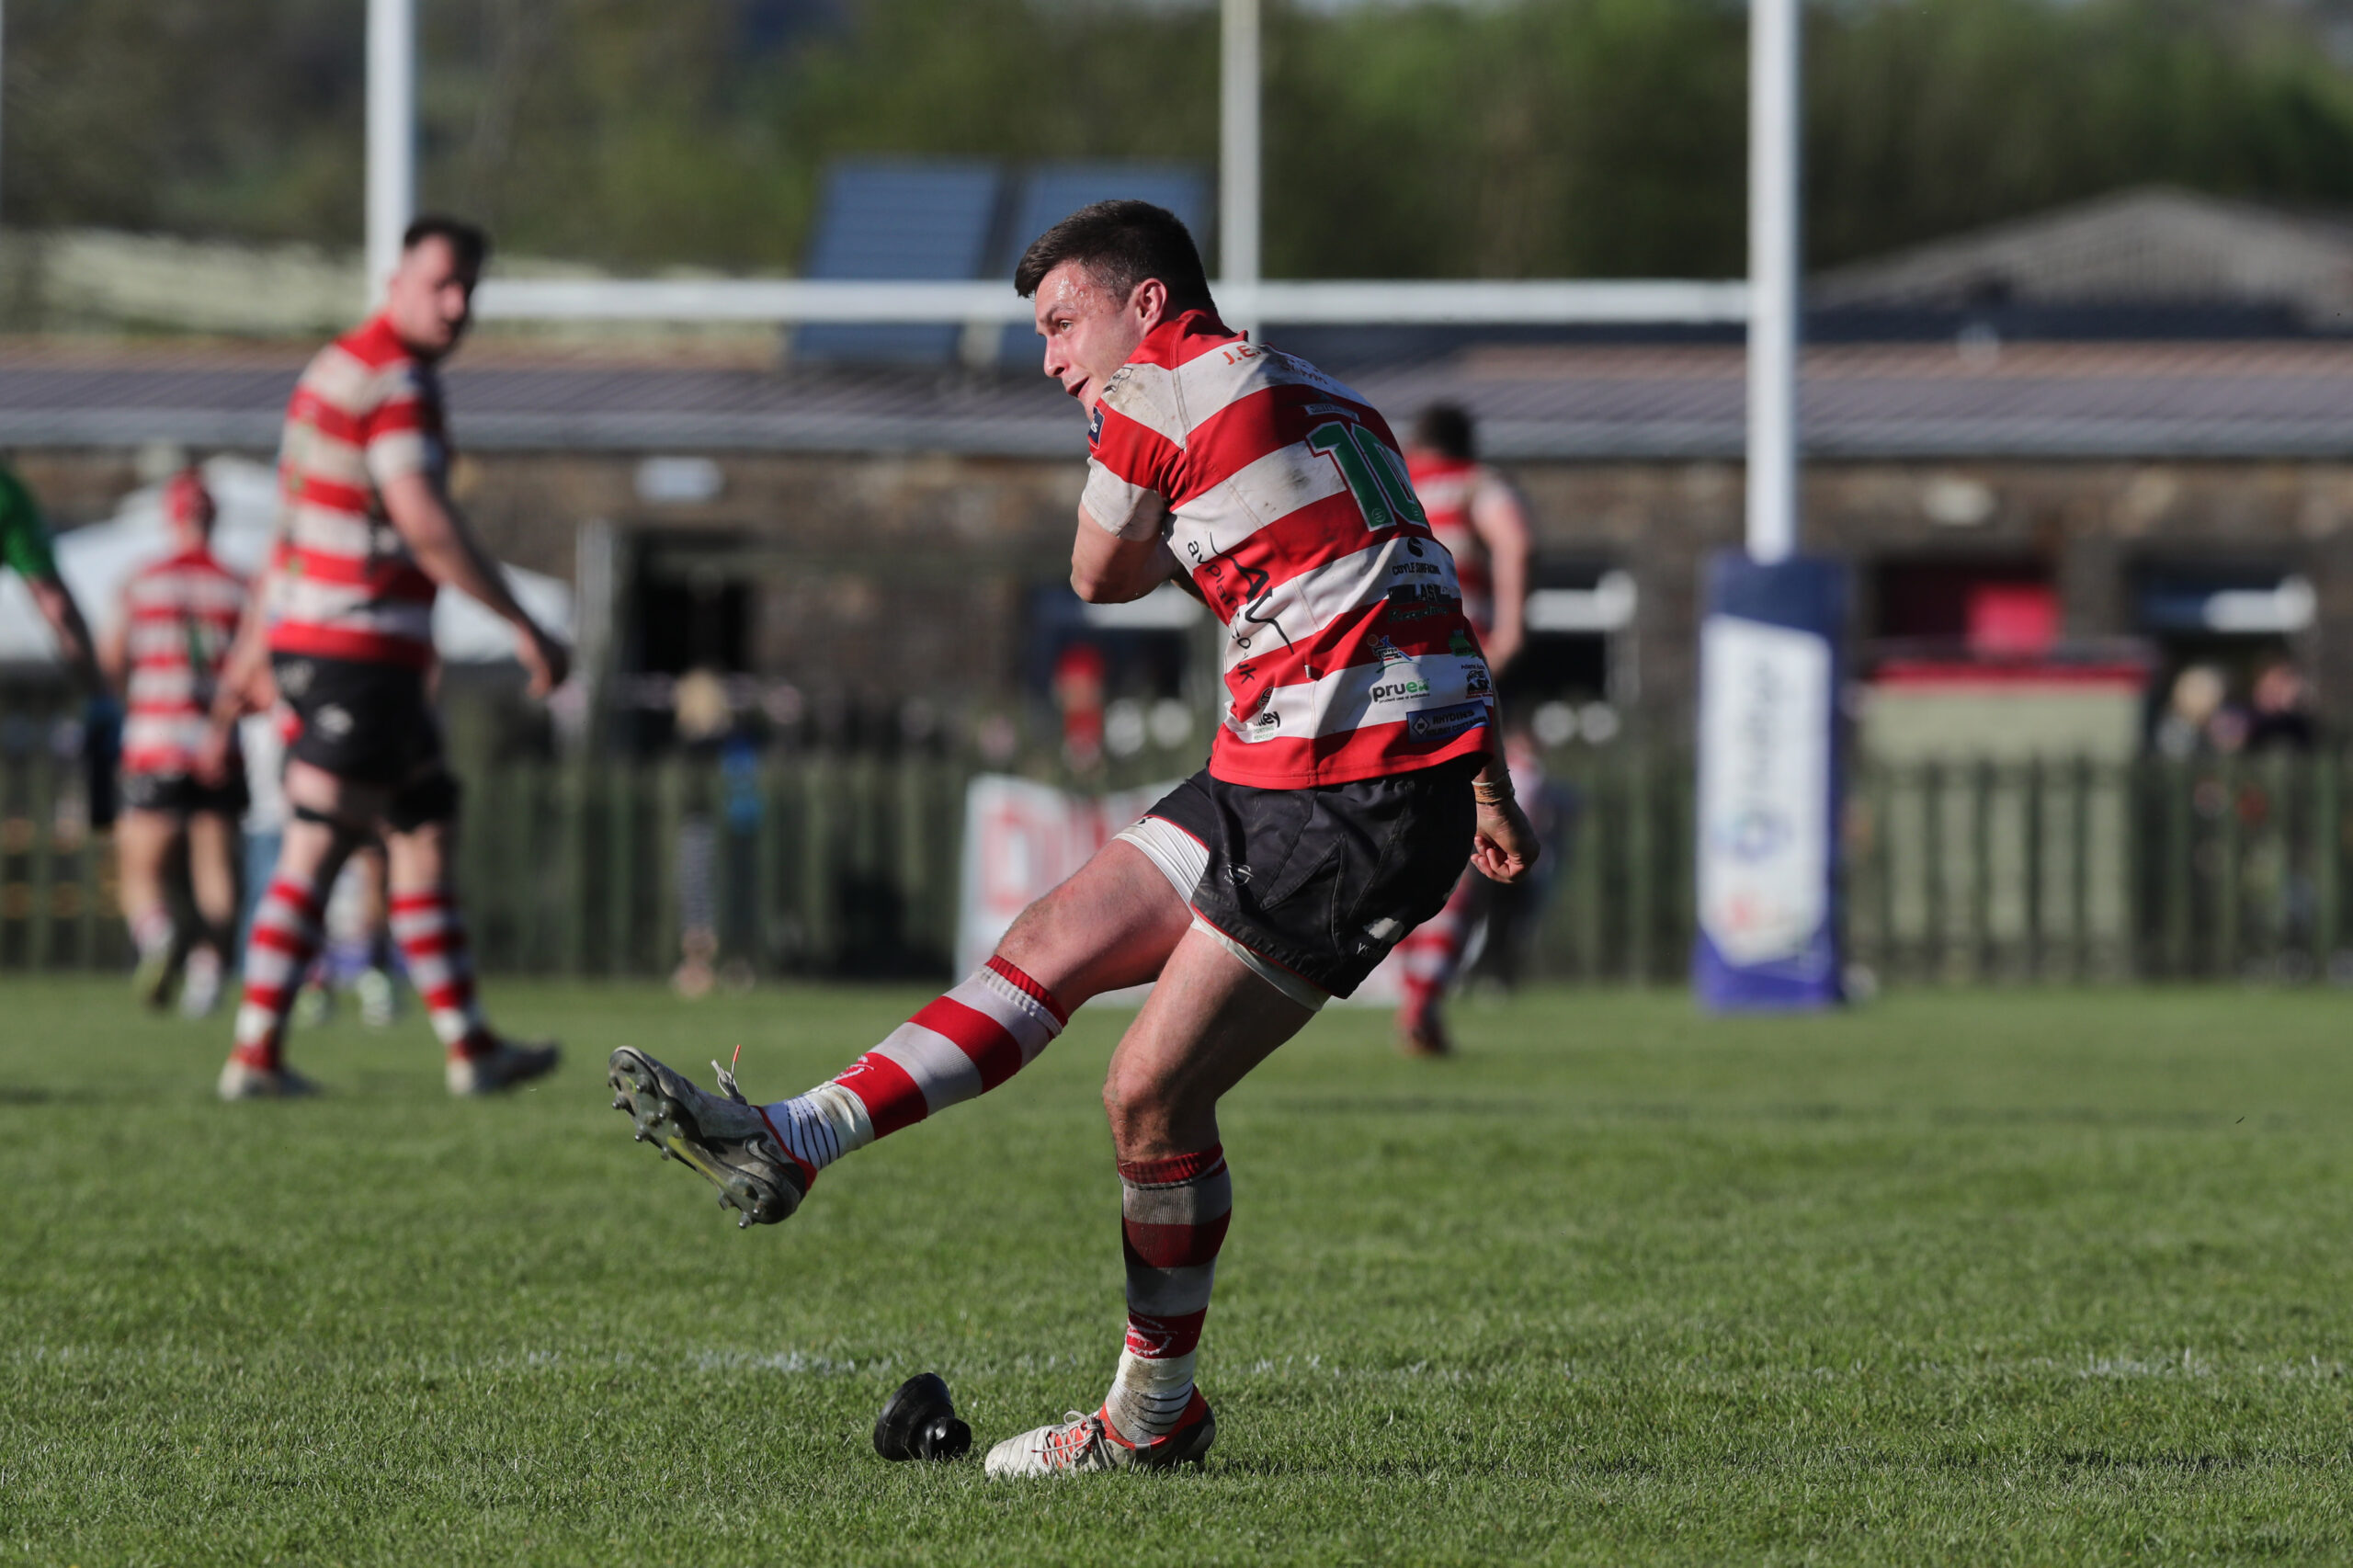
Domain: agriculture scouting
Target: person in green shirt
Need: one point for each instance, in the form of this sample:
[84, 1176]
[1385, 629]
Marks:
[25, 547]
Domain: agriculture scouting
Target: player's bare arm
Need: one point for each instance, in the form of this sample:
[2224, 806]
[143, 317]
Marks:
[1107, 569]
[114, 648]
[56, 604]
[243, 686]
[1502, 522]
[1504, 844]
[446, 551]
[429, 301]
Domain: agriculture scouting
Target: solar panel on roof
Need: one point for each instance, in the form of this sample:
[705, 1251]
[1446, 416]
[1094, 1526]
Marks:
[891, 219]
[1052, 192]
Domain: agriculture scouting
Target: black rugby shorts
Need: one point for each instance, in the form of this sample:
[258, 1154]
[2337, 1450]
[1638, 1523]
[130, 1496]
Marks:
[1320, 881]
[366, 721]
[179, 794]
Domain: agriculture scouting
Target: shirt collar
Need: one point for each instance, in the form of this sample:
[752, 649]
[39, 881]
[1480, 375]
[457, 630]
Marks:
[1181, 338]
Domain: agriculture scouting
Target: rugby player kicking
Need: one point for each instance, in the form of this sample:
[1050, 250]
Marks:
[164, 652]
[1351, 778]
[368, 534]
[1474, 512]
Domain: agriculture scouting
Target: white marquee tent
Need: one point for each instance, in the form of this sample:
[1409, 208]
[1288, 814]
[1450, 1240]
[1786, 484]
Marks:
[98, 560]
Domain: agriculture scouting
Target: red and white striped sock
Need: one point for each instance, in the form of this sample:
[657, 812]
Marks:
[150, 930]
[1173, 1215]
[1429, 954]
[965, 1043]
[441, 966]
[285, 940]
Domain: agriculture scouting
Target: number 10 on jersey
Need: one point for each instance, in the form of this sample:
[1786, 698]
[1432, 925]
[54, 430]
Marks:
[1373, 473]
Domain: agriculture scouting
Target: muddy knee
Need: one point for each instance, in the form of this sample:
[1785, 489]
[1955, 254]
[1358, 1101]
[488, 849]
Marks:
[1151, 1114]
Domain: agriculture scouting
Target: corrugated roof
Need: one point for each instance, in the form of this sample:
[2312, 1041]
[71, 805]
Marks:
[2137, 246]
[1582, 402]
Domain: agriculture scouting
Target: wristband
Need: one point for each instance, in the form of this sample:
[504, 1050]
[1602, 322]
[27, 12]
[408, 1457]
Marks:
[1491, 794]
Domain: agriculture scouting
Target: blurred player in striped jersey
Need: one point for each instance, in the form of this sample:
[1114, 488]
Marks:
[368, 535]
[1474, 512]
[164, 652]
[1355, 773]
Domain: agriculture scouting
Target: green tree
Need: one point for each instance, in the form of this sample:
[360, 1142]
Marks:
[1440, 138]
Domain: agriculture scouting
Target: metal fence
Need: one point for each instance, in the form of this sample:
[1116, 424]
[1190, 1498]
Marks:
[845, 865]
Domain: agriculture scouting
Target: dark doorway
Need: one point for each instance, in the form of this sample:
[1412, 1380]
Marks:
[700, 621]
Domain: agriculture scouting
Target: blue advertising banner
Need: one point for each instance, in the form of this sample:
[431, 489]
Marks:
[1768, 788]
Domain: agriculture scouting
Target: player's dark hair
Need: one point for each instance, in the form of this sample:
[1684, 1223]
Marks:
[1445, 428]
[467, 241]
[1121, 244]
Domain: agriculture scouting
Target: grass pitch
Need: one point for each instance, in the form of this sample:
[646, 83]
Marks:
[2022, 1278]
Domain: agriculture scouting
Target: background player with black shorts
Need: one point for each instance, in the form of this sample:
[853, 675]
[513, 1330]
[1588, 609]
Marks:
[164, 652]
[1353, 776]
[367, 536]
[1477, 515]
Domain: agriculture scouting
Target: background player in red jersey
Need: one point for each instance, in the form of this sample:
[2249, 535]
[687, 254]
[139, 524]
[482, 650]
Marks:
[367, 536]
[1355, 772]
[1476, 514]
[164, 652]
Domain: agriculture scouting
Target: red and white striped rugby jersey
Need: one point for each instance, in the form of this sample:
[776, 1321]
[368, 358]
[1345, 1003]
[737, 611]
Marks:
[1448, 487]
[183, 615]
[343, 585]
[1346, 654]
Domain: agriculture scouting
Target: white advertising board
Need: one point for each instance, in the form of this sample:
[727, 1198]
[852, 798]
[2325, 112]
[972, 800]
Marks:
[1021, 838]
[1764, 804]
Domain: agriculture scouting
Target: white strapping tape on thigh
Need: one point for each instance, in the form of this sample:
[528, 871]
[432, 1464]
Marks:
[1180, 857]
[1299, 989]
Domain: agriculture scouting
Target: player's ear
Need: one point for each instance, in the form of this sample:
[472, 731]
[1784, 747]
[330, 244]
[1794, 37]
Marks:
[1150, 302]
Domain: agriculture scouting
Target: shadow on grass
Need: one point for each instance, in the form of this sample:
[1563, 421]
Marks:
[1802, 1112]
[1439, 1463]
[50, 1096]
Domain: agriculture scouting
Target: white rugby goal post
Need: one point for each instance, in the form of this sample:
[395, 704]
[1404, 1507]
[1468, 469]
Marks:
[1768, 299]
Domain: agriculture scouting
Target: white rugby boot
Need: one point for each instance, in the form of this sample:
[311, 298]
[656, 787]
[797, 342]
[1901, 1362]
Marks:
[201, 985]
[158, 972]
[240, 1081]
[380, 998]
[1079, 1444]
[728, 1139]
[313, 1005]
[503, 1066]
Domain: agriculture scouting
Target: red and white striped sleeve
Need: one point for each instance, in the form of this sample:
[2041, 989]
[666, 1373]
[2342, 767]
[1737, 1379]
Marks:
[1132, 469]
[399, 434]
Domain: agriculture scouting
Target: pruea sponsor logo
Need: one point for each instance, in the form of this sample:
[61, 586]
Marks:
[1394, 691]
